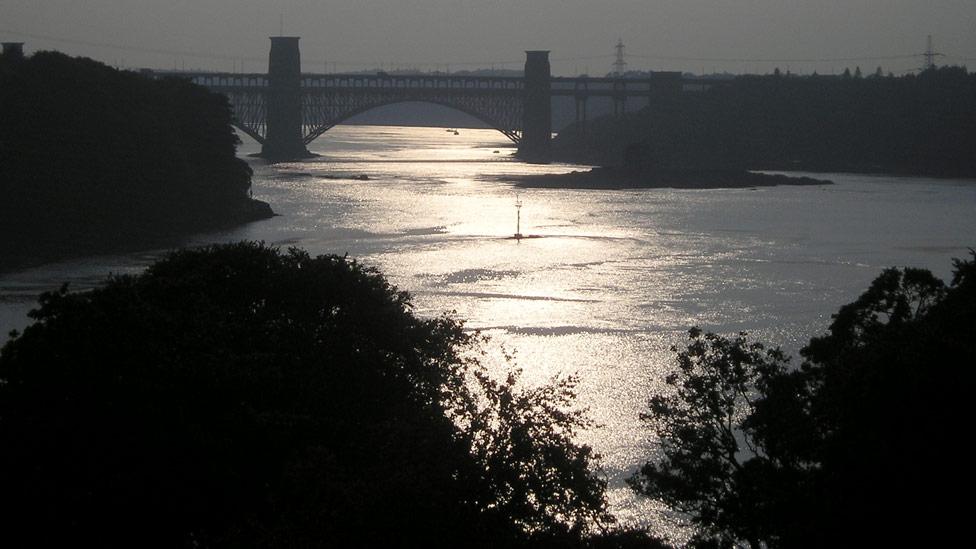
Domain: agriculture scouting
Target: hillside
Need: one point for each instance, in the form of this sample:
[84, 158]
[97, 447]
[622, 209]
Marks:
[921, 124]
[94, 159]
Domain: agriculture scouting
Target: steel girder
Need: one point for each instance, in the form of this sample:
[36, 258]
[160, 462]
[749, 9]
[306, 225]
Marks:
[328, 100]
[323, 108]
[250, 111]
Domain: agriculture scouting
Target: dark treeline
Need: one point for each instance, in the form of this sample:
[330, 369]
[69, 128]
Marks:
[239, 396]
[865, 444]
[921, 124]
[89, 153]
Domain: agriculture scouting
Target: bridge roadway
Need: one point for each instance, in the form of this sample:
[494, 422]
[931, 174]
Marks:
[286, 109]
[565, 86]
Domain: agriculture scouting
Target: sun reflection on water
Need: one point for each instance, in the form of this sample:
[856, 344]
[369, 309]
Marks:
[612, 281]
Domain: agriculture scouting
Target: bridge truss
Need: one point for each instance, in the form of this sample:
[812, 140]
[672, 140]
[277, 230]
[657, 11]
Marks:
[320, 101]
[328, 100]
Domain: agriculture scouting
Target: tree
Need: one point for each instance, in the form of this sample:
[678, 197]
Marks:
[888, 390]
[153, 157]
[817, 123]
[862, 444]
[239, 395]
[709, 454]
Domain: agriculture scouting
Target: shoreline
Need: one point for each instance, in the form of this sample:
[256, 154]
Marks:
[602, 178]
[39, 248]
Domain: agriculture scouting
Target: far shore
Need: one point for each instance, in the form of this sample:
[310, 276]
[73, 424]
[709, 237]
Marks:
[620, 178]
[40, 245]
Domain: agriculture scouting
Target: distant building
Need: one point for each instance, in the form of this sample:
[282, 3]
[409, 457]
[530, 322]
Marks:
[13, 49]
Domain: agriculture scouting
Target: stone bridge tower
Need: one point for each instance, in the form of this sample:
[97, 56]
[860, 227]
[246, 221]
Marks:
[284, 111]
[284, 102]
[537, 113]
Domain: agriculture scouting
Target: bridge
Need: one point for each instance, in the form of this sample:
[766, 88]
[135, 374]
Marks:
[285, 109]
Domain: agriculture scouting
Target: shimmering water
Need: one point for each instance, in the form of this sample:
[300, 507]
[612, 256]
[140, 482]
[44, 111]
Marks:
[615, 277]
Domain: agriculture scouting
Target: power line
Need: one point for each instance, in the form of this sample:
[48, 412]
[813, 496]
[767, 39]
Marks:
[140, 49]
[619, 65]
[775, 59]
[229, 57]
[929, 55]
[582, 58]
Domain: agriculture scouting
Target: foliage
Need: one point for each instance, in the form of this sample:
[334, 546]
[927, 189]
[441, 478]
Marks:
[91, 153]
[531, 431]
[238, 395]
[709, 454]
[860, 445]
[916, 124]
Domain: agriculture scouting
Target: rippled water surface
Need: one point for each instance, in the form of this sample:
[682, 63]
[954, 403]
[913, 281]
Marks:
[614, 277]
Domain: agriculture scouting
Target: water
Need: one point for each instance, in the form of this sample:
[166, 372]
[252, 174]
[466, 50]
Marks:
[615, 278]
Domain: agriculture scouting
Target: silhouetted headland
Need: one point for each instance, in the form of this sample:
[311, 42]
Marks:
[918, 125]
[97, 160]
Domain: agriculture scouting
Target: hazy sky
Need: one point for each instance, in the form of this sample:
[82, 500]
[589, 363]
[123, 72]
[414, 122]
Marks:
[691, 35]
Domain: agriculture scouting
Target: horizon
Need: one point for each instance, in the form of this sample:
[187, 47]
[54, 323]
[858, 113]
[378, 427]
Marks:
[700, 37]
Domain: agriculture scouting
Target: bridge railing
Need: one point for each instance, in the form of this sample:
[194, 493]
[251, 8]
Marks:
[359, 81]
[561, 85]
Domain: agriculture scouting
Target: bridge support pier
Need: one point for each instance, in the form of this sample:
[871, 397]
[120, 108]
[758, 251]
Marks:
[581, 113]
[284, 102]
[535, 145]
[619, 97]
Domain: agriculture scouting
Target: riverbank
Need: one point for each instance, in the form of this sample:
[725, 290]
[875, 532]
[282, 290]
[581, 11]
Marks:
[27, 245]
[619, 178]
[140, 161]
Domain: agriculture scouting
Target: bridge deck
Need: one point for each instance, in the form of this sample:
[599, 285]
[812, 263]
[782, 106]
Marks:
[316, 102]
[560, 86]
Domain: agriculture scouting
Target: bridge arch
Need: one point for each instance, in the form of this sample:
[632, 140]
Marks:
[286, 109]
[244, 128]
[318, 128]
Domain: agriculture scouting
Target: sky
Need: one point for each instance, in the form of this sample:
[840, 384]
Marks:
[696, 36]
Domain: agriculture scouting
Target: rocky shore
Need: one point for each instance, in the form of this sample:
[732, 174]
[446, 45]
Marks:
[620, 178]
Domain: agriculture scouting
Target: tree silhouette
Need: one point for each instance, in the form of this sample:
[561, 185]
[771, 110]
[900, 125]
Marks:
[709, 454]
[96, 158]
[861, 445]
[815, 123]
[242, 396]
